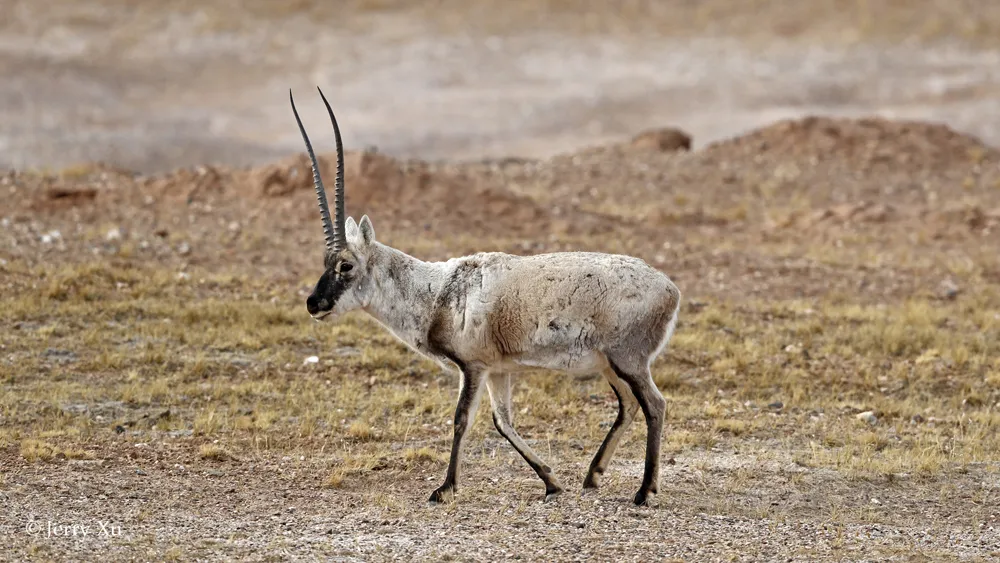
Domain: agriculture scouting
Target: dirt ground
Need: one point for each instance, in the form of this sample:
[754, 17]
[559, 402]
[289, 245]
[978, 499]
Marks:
[833, 385]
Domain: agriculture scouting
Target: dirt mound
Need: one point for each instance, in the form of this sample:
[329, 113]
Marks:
[861, 141]
[413, 194]
[651, 182]
[666, 140]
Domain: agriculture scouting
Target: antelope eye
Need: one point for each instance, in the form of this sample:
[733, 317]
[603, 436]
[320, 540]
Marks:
[346, 267]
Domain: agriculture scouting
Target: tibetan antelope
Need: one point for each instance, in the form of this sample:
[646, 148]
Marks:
[491, 314]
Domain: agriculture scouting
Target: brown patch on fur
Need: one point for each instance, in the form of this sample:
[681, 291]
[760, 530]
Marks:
[508, 329]
[439, 336]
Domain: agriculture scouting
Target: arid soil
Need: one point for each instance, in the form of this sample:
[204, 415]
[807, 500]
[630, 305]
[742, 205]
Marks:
[833, 385]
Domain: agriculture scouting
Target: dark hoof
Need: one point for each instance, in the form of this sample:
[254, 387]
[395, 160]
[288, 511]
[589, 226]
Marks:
[553, 494]
[593, 481]
[442, 495]
[643, 498]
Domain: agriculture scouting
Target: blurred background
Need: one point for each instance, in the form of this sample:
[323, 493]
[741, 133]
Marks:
[155, 85]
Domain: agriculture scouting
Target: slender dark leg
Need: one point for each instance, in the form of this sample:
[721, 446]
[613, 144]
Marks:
[465, 413]
[654, 408]
[499, 388]
[628, 407]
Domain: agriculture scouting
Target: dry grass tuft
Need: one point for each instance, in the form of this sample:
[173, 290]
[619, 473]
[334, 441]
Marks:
[38, 450]
[213, 452]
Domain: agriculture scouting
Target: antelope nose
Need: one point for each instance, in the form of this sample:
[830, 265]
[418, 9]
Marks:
[312, 304]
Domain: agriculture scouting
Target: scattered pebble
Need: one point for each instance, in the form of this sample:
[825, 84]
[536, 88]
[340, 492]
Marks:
[777, 405]
[868, 416]
[50, 237]
[794, 348]
[113, 235]
[948, 289]
[184, 248]
[916, 419]
[312, 360]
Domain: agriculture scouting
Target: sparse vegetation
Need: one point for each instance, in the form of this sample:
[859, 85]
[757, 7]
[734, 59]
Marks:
[833, 384]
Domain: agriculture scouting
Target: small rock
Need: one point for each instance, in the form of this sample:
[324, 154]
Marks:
[777, 405]
[140, 472]
[948, 289]
[311, 360]
[50, 237]
[184, 248]
[916, 419]
[183, 276]
[113, 235]
[875, 501]
[867, 416]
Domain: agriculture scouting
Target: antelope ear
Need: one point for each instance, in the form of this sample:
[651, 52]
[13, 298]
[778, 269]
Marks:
[351, 228]
[367, 230]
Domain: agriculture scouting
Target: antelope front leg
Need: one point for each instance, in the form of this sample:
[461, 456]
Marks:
[468, 401]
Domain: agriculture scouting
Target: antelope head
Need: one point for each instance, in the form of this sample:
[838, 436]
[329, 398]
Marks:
[343, 285]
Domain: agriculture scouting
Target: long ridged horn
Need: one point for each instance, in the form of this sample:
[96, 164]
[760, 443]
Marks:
[324, 207]
[339, 231]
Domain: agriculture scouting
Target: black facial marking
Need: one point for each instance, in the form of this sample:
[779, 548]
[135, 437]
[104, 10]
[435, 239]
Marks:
[331, 285]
